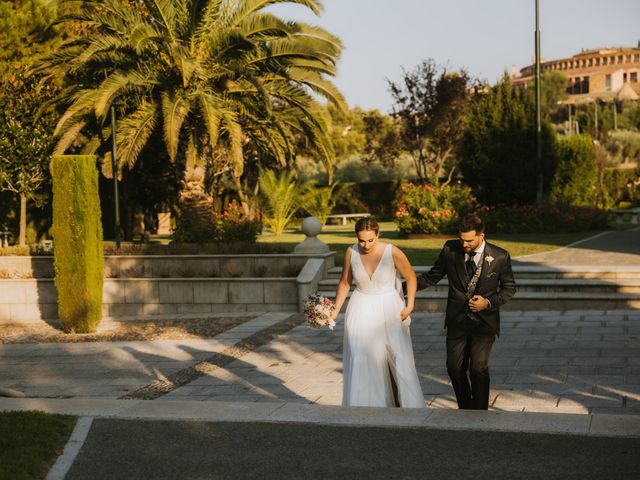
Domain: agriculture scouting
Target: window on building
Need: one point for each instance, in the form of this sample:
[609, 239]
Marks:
[619, 58]
[633, 77]
[604, 60]
[578, 85]
[598, 62]
[591, 62]
[607, 82]
[636, 58]
[624, 79]
[627, 59]
[612, 59]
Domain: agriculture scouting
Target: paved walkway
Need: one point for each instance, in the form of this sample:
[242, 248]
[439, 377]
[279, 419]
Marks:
[564, 362]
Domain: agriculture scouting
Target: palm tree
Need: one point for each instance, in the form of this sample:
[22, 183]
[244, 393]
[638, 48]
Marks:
[212, 75]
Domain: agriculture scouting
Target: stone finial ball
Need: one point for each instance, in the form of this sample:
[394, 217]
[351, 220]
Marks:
[311, 226]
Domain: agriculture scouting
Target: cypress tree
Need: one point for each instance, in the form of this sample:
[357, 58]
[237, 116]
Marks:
[77, 232]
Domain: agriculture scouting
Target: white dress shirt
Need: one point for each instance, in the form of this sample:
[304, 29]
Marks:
[478, 256]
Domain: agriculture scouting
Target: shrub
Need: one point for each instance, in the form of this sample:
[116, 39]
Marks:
[547, 218]
[319, 202]
[619, 185]
[222, 248]
[427, 209]
[233, 226]
[77, 232]
[15, 250]
[576, 176]
[281, 198]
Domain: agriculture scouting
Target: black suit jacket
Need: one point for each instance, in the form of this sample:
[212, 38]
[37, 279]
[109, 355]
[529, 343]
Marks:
[496, 282]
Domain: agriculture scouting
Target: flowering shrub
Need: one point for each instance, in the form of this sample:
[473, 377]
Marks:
[427, 209]
[232, 226]
[547, 218]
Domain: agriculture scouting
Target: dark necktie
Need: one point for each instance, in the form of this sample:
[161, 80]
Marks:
[470, 264]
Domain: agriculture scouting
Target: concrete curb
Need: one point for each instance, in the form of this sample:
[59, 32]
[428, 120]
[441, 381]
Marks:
[597, 425]
[71, 449]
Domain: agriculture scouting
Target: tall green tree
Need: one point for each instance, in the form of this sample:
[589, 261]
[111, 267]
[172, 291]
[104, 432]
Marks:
[26, 138]
[383, 138]
[498, 149]
[25, 27]
[26, 129]
[553, 89]
[431, 103]
[217, 78]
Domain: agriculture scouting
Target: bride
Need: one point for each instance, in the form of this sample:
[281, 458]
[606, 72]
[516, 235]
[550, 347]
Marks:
[378, 369]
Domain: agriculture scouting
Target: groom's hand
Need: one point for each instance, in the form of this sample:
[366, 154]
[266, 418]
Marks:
[478, 303]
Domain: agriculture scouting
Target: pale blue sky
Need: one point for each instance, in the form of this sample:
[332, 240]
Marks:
[486, 37]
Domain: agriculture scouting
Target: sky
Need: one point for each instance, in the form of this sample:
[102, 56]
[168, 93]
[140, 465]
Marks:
[486, 37]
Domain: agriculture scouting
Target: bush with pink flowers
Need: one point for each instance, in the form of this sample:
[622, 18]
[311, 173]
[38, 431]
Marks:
[233, 225]
[433, 210]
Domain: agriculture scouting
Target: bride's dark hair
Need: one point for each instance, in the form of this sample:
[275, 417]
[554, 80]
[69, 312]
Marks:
[367, 223]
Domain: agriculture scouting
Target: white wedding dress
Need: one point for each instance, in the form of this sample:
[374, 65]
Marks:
[377, 344]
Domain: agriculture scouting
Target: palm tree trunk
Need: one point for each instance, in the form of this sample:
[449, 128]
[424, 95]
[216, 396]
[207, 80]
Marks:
[22, 238]
[244, 198]
[195, 222]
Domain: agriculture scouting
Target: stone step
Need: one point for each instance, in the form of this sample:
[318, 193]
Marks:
[627, 286]
[435, 301]
[599, 272]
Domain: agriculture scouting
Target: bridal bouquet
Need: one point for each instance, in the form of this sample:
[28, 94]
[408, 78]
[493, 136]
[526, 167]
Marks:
[318, 310]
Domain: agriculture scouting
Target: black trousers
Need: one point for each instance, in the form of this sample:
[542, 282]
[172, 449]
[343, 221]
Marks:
[468, 365]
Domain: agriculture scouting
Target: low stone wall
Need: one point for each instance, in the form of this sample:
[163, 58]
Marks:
[169, 266]
[33, 299]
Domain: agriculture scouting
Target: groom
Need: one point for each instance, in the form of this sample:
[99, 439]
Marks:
[480, 282]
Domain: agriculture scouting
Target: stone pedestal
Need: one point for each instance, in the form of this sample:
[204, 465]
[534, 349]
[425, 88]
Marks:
[311, 227]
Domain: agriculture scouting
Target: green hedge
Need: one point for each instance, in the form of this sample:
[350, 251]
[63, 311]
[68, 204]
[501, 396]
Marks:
[547, 218]
[77, 232]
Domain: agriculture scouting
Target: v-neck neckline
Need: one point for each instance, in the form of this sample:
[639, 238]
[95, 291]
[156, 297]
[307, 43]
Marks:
[377, 265]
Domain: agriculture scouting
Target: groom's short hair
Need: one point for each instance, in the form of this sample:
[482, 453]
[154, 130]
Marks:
[471, 222]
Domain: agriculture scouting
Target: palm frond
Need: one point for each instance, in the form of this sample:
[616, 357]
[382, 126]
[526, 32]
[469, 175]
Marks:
[134, 132]
[69, 135]
[175, 109]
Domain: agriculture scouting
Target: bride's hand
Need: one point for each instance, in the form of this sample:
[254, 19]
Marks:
[406, 311]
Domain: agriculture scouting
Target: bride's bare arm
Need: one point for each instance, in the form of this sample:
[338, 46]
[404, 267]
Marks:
[402, 264]
[344, 285]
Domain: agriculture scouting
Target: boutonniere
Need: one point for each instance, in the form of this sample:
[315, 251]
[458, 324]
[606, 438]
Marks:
[489, 259]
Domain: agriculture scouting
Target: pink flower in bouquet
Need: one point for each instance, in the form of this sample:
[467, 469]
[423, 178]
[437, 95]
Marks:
[317, 310]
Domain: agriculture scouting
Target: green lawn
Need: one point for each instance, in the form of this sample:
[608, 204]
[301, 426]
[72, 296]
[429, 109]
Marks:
[30, 442]
[424, 251]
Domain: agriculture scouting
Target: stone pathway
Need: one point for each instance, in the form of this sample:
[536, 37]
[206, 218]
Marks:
[564, 362]
[111, 369]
